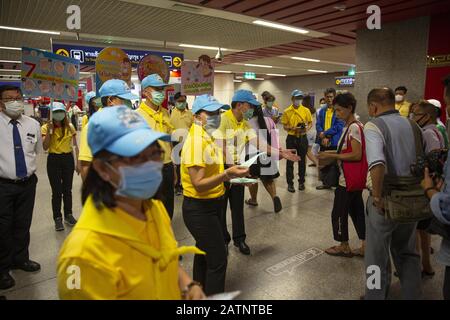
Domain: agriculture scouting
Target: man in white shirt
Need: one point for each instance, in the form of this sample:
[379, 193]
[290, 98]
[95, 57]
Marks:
[21, 141]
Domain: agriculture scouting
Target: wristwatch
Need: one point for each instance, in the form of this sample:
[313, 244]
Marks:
[186, 289]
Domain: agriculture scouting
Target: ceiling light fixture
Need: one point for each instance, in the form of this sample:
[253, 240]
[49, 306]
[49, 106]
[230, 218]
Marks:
[10, 61]
[238, 81]
[340, 7]
[30, 30]
[280, 26]
[194, 46]
[10, 48]
[319, 71]
[222, 71]
[275, 75]
[257, 65]
[13, 70]
[259, 79]
[305, 59]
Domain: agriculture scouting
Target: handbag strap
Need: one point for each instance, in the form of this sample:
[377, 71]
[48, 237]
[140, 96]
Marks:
[344, 137]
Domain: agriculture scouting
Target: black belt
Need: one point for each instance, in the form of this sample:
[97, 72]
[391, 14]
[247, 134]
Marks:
[17, 181]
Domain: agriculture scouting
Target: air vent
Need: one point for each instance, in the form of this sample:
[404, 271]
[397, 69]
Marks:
[182, 7]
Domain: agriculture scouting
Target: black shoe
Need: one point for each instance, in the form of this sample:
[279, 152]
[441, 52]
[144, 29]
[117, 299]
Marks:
[323, 187]
[277, 204]
[6, 281]
[291, 188]
[70, 220]
[301, 187]
[28, 266]
[243, 247]
[59, 224]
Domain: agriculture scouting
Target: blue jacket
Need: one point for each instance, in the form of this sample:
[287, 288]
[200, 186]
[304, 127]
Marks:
[335, 131]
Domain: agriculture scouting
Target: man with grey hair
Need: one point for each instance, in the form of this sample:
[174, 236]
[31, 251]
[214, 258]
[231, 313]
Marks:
[389, 138]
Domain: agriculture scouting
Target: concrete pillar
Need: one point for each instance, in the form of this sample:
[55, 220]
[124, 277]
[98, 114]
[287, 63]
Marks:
[393, 56]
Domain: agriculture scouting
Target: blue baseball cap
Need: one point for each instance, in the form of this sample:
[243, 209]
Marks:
[58, 106]
[245, 96]
[89, 96]
[117, 88]
[208, 103]
[153, 80]
[121, 131]
[297, 93]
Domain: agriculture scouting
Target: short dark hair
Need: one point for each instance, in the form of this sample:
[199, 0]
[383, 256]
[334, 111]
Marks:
[345, 100]
[265, 94]
[428, 108]
[178, 95]
[233, 104]
[401, 88]
[446, 83]
[383, 96]
[330, 90]
[8, 87]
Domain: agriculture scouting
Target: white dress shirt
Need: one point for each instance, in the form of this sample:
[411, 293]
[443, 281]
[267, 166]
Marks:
[30, 134]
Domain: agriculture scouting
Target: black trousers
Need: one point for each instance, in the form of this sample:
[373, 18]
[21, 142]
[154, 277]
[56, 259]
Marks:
[202, 218]
[301, 146]
[16, 211]
[166, 188]
[60, 169]
[346, 203]
[447, 283]
[235, 195]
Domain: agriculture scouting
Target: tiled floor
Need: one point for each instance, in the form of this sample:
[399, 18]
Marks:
[303, 223]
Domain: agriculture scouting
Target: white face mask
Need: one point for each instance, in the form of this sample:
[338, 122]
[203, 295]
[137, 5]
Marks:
[14, 108]
[398, 98]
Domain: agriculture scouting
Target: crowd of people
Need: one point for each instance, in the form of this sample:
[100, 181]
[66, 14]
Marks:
[134, 163]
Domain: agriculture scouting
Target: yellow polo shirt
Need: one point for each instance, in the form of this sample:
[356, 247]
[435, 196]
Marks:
[84, 121]
[292, 117]
[85, 153]
[199, 150]
[60, 141]
[181, 119]
[158, 121]
[111, 255]
[236, 134]
[403, 108]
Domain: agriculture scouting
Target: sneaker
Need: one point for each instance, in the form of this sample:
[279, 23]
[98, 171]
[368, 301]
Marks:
[70, 220]
[58, 224]
[291, 188]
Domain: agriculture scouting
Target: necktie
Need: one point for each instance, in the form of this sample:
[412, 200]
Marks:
[21, 166]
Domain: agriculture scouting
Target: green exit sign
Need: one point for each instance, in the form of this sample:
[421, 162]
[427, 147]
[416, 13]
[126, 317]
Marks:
[351, 72]
[249, 75]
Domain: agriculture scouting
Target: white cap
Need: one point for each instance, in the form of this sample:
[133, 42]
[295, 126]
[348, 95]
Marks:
[435, 103]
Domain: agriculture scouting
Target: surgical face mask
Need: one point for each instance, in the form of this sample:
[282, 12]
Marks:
[212, 122]
[180, 105]
[248, 114]
[269, 104]
[14, 108]
[140, 181]
[157, 97]
[298, 102]
[398, 98]
[59, 116]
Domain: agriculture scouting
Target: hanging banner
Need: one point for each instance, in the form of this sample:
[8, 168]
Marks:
[151, 64]
[49, 75]
[112, 63]
[197, 78]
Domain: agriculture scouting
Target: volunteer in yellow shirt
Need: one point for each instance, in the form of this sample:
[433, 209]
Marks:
[153, 89]
[112, 93]
[181, 119]
[297, 120]
[401, 105]
[92, 104]
[203, 175]
[123, 246]
[59, 138]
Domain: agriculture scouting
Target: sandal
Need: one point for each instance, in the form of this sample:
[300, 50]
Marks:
[250, 203]
[337, 252]
[358, 252]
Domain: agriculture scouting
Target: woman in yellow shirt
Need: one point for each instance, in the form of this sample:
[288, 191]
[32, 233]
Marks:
[92, 104]
[123, 246]
[59, 138]
[202, 177]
